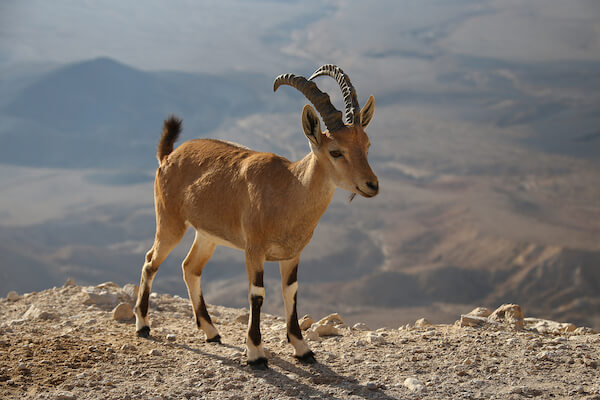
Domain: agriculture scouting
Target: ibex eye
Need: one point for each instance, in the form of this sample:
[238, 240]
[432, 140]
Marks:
[335, 154]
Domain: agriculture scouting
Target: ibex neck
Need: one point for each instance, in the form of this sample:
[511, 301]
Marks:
[314, 177]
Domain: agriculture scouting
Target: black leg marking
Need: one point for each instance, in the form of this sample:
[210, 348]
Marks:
[254, 332]
[144, 332]
[258, 279]
[293, 326]
[293, 275]
[203, 312]
[144, 303]
[308, 358]
[259, 364]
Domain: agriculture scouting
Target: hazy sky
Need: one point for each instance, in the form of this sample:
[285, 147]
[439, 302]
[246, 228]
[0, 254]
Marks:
[214, 35]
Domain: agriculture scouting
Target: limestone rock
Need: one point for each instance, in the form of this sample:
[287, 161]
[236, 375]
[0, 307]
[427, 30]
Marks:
[99, 297]
[480, 312]
[33, 312]
[131, 291]
[325, 330]
[422, 322]
[360, 326]
[154, 352]
[123, 312]
[510, 314]
[414, 385]
[171, 337]
[375, 338]
[474, 321]
[546, 326]
[108, 285]
[332, 319]
[13, 296]
[584, 330]
[311, 335]
[306, 322]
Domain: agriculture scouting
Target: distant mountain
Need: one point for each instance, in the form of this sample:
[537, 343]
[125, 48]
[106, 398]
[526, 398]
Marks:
[101, 113]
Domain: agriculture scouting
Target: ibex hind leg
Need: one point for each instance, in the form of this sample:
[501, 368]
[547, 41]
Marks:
[192, 267]
[289, 288]
[165, 241]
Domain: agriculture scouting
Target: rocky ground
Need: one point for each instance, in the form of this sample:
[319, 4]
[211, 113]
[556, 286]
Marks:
[74, 342]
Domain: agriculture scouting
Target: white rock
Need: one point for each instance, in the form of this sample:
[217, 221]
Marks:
[325, 330]
[123, 312]
[108, 285]
[171, 337]
[311, 335]
[127, 347]
[332, 319]
[360, 326]
[414, 385]
[375, 338]
[422, 322]
[510, 314]
[547, 326]
[306, 322]
[99, 297]
[13, 296]
[33, 312]
[480, 312]
[474, 321]
[131, 291]
[154, 352]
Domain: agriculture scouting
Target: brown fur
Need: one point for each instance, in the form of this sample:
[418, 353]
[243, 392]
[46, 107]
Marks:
[260, 203]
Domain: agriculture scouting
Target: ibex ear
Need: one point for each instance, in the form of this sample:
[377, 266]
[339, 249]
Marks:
[311, 125]
[367, 112]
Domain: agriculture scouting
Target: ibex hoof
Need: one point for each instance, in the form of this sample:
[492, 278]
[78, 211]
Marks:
[308, 358]
[259, 364]
[144, 332]
[216, 339]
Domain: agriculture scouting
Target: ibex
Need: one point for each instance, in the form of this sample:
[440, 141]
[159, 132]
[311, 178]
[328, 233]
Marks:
[260, 203]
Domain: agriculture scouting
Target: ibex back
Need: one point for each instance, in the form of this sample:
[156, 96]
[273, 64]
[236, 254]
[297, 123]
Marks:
[260, 203]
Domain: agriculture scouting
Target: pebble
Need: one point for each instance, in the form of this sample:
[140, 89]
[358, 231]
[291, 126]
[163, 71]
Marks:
[422, 322]
[371, 386]
[123, 312]
[171, 337]
[13, 296]
[360, 326]
[414, 385]
[375, 338]
[127, 347]
[154, 352]
[33, 312]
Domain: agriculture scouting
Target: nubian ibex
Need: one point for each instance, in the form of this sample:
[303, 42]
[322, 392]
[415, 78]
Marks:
[260, 203]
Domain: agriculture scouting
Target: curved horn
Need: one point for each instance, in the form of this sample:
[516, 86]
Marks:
[348, 91]
[331, 117]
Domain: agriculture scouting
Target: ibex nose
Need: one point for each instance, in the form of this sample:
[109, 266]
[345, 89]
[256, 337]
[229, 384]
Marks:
[373, 186]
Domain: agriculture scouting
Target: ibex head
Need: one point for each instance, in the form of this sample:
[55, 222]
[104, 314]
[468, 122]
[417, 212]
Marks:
[343, 146]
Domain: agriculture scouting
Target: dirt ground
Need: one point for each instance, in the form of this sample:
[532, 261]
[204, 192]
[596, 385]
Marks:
[63, 343]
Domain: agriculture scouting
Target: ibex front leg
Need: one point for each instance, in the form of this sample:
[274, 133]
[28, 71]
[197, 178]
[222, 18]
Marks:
[289, 288]
[256, 296]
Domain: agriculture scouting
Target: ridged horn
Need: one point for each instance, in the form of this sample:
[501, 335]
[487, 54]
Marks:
[348, 91]
[331, 116]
